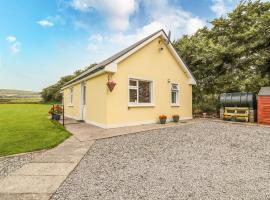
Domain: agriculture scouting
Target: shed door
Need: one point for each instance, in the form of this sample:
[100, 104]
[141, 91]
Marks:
[264, 109]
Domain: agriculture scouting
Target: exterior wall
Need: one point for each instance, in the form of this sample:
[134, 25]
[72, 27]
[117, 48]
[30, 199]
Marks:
[150, 64]
[96, 102]
[95, 108]
[264, 109]
[74, 109]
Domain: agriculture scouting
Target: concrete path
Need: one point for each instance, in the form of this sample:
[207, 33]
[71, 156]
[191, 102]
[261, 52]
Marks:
[86, 132]
[41, 177]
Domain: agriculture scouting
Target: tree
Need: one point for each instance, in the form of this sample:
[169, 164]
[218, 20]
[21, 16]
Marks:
[233, 55]
[52, 93]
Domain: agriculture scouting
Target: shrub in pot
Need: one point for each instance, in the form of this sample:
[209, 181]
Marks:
[56, 112]
[162, 119]
[175, 118]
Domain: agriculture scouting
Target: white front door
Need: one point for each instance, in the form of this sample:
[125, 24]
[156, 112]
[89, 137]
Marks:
[83, 101]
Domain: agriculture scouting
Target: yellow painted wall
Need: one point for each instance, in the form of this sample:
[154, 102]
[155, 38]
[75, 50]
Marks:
[74, 109]
[150, 64]
[95, 100]
[111, 108]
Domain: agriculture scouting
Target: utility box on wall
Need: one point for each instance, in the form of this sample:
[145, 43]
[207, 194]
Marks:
[264, 106]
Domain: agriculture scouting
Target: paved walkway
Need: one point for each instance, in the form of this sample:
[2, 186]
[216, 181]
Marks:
[40, 178]
[86, 132]
[45, 173]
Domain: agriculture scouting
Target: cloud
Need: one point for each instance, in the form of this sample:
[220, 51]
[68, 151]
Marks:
[176, 20]
[15, 47]
[116, 13]
[219, 7]
[92, 48]
[172, 17]
[45, 23]
[96, 38]
[11, 38]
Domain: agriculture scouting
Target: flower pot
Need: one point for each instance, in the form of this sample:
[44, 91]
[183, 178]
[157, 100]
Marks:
[176, 118]
[163, 120]
[111, 85]
[56, 117]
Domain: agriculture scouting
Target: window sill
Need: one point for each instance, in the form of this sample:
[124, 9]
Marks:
[141, 105]
[70, 105]
[175, 105]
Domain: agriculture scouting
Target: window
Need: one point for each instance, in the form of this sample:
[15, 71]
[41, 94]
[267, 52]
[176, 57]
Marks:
[70, 96]
[175, 95]
[84, 95]
[140, 91]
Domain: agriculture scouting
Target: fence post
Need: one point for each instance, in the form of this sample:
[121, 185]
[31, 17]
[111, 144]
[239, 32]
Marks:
[63, 115]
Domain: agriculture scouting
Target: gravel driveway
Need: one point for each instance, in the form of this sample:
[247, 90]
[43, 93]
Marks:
[205, 160]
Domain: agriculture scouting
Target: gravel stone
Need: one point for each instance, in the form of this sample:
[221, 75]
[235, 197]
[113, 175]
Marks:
[10, 164]
[205, 160]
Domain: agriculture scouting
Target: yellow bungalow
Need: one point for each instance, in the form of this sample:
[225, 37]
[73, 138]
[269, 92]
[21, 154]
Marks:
[132, 87]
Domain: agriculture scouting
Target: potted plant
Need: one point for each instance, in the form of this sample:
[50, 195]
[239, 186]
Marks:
[111, 84]
[162, 119]
[56, 112]
[175, 118]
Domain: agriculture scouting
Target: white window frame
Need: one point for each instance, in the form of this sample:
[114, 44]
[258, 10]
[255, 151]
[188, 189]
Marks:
[137, 104]
[71, 96]
[177, 94]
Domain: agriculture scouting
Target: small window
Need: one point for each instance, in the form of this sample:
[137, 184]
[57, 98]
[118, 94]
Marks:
[70, 96]
[175, 95]
[140, 91]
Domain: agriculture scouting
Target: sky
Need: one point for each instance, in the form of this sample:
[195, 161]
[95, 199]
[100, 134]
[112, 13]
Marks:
[40, 41]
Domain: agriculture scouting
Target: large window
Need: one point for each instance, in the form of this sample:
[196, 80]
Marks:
[175, 94]
[140, 91]
[71, 96]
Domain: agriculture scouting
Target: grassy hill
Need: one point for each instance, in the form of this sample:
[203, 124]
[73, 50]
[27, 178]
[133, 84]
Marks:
[19, 96]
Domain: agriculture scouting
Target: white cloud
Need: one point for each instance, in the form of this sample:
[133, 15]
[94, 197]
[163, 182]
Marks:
[172, 18]
[116, 12]
[219, 7]
[45, 23]
[176, 20]
[11, 38]
[15, 47]
[92, 47]
[96, 38]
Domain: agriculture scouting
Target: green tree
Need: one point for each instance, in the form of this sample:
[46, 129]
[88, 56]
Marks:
[232, 55]
[52, 93]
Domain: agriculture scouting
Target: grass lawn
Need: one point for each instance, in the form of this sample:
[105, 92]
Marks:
[25, 127]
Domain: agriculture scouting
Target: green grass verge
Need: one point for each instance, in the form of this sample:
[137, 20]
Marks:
[26, 127]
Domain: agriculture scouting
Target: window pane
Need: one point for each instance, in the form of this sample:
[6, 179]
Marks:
[144, 92]
[132, 95]
[174, 97]
[174, 87]
[132, 83]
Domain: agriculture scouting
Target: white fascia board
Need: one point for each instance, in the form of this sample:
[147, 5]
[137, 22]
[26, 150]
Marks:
[192, 81]
[112, 67]
[84, 79]
[137, 48]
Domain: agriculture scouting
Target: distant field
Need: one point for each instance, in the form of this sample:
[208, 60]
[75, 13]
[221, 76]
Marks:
[26, 127]
[19, 96]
